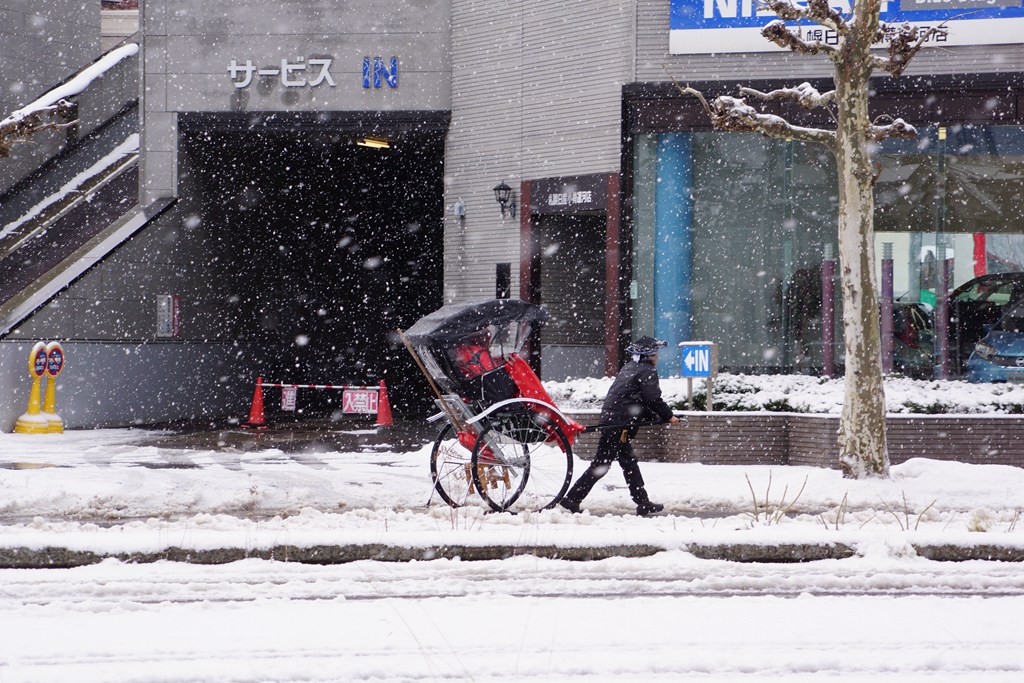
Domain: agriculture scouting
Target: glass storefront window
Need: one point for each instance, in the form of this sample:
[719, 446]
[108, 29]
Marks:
[730, 231]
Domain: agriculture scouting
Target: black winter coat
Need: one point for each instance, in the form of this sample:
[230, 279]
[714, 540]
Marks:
[635, 396]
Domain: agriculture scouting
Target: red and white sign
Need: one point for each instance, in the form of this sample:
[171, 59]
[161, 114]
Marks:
[359, 401]
[289, 397]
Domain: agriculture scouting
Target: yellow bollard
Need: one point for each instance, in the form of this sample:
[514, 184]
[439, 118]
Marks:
[33, 421]
[54, 364]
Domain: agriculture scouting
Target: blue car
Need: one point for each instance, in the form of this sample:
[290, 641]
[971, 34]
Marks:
[999, 356]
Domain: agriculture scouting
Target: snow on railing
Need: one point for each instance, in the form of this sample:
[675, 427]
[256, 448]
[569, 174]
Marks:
[76, 85]
[128, 148]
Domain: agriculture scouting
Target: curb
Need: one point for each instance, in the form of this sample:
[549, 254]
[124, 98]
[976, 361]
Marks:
[65, 558]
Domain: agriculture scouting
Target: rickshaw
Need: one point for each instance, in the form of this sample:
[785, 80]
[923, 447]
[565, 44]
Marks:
[503, 439]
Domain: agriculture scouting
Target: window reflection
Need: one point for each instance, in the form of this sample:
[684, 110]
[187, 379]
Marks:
[760, 214]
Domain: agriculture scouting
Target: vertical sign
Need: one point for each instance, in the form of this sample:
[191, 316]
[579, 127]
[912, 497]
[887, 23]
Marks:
[168, 309]
[289, 397]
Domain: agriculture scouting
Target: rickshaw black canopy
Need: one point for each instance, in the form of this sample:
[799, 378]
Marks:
[451, 324]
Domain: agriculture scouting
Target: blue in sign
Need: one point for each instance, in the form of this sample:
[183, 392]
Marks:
[696, 361]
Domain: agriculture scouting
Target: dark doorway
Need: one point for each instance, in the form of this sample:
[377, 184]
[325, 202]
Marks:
[572, 289]
[328, 246]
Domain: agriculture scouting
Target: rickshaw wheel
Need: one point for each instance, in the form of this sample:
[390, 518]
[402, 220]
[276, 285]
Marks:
[521, 464]
[450, 468]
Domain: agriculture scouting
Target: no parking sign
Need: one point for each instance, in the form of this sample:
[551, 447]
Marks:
[363, 400]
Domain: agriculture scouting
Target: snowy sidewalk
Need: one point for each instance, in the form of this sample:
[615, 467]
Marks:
[82, 496]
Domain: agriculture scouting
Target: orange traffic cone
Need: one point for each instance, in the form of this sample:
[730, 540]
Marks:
[383, 407]
[256, 420]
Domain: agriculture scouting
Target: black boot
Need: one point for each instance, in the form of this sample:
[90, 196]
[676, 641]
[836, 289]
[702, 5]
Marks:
[570, 505]
[635, 482]
[649, 509]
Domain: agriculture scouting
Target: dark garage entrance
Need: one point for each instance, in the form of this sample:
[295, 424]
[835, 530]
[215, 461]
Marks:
[327, 246]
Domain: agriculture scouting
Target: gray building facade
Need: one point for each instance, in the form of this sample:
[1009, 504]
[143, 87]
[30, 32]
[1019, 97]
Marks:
[267, 239]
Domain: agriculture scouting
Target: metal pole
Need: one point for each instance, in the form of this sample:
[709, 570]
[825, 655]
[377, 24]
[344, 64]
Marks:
[828, 313]
[945, 269]
[941, 325]
[887, 307]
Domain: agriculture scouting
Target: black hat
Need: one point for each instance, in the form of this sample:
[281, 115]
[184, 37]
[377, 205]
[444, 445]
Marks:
[645, 346]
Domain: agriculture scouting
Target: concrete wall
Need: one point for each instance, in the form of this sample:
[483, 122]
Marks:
[41, 45]
[115, 385]
[107, 319]
[189, 49]
[536, 93]
[118, 25]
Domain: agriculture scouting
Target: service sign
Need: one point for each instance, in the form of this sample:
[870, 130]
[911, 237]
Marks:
[709, 26]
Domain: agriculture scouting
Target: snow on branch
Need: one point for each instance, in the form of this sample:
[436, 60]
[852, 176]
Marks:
[734, 114]
[818, 11]
[897, 129]
[21, 129]
[805, 94]
[777, 32]
[903, 41]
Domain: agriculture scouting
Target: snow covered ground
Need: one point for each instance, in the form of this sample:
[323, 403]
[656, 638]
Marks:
[883, 614]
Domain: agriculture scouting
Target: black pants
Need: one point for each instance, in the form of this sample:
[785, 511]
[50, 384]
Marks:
[612, 447]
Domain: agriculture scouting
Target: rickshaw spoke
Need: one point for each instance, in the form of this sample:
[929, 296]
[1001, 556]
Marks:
[521, 463]
[449, 468]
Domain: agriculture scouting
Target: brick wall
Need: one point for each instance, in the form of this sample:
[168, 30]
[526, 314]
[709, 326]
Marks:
[791, 439]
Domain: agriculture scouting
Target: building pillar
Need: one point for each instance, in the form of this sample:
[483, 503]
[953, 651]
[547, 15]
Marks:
[673, 241]
[612, 277]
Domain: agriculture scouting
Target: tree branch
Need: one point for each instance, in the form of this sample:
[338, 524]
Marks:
[735, 115]
[818, 11]
[897, 129]
[778, 33]
[19, 129]
[903, 43]
[805, 94]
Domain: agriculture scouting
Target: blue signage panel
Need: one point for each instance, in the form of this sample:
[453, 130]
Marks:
[697, 360]
[707, 26]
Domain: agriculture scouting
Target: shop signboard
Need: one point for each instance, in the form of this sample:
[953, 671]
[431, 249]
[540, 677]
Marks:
[709, 26]
[569, 194]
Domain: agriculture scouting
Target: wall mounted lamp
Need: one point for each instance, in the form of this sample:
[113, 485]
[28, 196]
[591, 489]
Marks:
[503, 193]
[460, 210]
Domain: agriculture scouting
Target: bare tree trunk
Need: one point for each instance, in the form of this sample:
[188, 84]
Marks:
[863, 449]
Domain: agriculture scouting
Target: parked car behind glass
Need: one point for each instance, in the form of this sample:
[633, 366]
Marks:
[999, 356]
[912, 340]
[975, 307]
